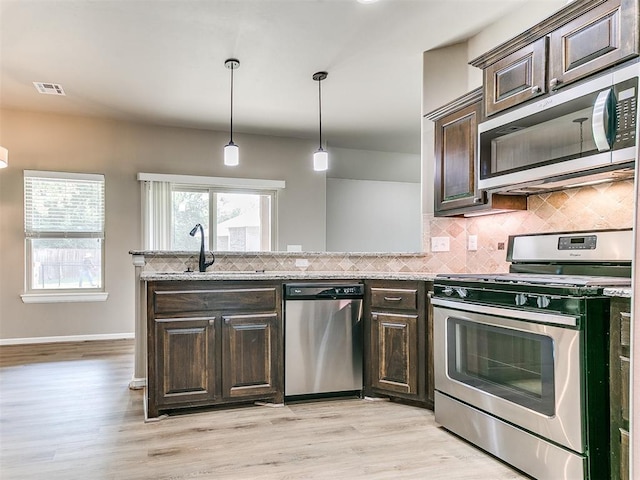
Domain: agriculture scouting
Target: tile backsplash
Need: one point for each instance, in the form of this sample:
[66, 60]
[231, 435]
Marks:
[603, 206]
[158, 261]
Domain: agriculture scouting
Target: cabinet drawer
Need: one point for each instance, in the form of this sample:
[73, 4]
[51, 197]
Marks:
[185, 301]
[396, 298]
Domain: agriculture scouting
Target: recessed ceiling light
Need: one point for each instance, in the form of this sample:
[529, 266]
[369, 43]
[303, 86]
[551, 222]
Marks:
[367, 1]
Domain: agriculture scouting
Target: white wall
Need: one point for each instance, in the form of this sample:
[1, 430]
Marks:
[119, 150]
[372, 165]
[373, 216]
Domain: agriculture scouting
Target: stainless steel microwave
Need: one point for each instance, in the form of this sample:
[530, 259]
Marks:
[583, 133]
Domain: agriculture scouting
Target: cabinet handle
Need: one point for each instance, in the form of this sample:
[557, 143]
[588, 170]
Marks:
[535, 89]
[554, 83]
[392, 299]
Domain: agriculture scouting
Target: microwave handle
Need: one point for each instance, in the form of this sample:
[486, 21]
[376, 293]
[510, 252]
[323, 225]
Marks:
[600, 120]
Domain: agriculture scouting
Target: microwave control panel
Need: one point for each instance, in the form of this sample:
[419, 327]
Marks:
[626, 113]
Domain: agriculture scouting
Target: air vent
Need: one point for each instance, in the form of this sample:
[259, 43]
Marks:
[49, 88]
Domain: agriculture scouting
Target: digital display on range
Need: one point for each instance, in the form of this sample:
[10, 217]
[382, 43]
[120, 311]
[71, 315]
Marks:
[585, 242]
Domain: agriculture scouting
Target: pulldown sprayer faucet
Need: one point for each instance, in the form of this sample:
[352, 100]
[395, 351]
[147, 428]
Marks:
[202, 263]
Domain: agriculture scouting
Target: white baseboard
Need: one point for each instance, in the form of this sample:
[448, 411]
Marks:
[68, 338]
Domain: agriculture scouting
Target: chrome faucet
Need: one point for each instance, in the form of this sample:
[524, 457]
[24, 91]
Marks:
[202, 263]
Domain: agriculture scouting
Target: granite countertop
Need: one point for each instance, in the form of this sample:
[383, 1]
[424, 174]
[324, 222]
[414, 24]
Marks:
[284, 275]
[625, 292]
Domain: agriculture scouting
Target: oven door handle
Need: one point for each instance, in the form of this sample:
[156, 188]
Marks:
[512, 313]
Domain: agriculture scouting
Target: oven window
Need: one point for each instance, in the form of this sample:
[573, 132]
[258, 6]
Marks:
[511, 364]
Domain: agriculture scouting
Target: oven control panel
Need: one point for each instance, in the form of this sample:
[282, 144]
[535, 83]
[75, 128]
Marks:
[585, 242]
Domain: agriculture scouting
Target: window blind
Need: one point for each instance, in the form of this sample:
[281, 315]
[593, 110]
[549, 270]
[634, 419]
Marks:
[68, 205]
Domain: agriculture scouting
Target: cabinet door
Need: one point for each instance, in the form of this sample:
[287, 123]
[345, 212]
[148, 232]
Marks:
[601, 37]
[516, 78]
[456, 150]
[185, 361]
[249, 355]
[394, 345]
[619, 381]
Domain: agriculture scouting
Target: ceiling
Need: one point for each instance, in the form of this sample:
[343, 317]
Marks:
[162, 62]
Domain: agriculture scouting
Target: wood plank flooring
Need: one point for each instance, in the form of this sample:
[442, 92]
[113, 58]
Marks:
[66, 412]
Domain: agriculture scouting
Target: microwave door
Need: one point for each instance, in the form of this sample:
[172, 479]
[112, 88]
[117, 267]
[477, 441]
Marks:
[557, 135]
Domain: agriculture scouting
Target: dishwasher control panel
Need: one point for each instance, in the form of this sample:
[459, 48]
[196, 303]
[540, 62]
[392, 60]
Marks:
[331, 291]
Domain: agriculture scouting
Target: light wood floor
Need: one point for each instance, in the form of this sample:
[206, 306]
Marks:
[66, 412]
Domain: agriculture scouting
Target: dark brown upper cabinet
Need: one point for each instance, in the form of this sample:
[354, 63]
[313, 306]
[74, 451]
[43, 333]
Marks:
[603, 36]
[456, 146]
[516, 78]
[456, 151]
[581, 39]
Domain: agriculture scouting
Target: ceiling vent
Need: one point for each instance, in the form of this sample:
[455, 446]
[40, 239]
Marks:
[49, 88]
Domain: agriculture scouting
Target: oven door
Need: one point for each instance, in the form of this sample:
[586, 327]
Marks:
[519, 366]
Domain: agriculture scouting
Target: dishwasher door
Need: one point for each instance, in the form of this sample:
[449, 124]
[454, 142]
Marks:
[323, 346]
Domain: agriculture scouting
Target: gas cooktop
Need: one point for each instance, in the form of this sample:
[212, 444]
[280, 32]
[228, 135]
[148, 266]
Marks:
[588, 259]
[539, 279]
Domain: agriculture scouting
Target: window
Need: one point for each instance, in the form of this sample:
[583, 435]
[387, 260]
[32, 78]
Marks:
[64, 231]
[236, 214]
[232, 220]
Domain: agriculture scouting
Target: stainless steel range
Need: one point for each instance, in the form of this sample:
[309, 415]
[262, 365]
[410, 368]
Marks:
[521, 359]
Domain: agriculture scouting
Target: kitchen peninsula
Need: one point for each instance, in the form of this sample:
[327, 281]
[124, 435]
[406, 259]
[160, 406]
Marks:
[230, 321]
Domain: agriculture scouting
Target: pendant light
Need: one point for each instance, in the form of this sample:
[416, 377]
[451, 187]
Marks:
[231, 151]
[320, 157]
[4, 157]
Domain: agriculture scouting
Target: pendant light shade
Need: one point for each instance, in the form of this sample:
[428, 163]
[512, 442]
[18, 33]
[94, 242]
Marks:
[321, 157]
[320, 160]
[4, 157]
[231, 154]
[231, 150]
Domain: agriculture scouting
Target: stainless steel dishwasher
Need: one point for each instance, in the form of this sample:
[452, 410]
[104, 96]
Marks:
[323, 339]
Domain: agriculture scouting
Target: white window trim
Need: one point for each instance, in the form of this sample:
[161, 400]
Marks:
[64, 297]
[255, 183]
[50, 296]
[66, 175]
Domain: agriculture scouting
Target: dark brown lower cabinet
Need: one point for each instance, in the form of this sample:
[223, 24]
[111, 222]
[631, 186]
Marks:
[394, 348]
[619, 362]
[397, 347]
[186, 364]
[212, 343]
[250, 355]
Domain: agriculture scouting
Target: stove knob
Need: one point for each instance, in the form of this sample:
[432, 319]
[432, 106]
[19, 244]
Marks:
[521, 299]
[462, 292]
[543, 302]
[447, 291]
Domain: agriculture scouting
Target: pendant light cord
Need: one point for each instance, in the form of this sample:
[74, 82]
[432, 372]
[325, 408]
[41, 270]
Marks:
[320, 112]
[231, 120]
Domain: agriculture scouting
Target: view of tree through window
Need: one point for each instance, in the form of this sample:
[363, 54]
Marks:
[189, 209]
[239, 221]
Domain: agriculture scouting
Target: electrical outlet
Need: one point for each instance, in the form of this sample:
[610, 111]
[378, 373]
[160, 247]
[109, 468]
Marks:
[500, 245]
[439, 244]
[472, 243]
[302, 262]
